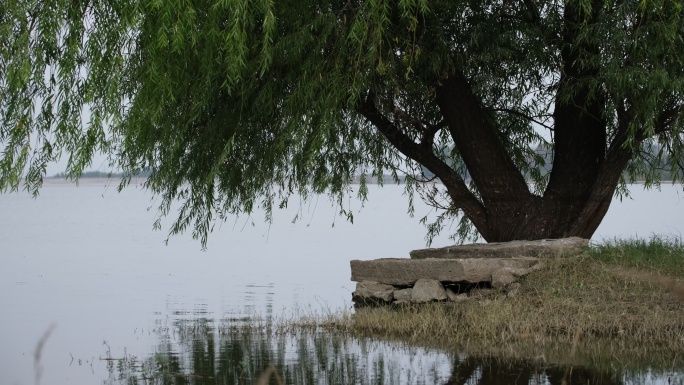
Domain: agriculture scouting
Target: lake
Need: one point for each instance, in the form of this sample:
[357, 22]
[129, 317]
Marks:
[82, 267]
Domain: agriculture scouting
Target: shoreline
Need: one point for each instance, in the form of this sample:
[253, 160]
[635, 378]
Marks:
[59, 180]
[621, 298]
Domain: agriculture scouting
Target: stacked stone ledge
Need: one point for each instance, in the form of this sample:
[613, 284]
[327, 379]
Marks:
[454, 273]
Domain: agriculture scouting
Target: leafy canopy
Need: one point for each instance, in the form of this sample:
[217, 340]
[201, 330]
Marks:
[235, 104]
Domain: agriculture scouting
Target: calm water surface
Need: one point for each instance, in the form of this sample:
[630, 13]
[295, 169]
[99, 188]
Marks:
[119, 306]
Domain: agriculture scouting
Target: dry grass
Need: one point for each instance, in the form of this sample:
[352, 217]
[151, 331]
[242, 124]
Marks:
[668, 284]
[573, 306]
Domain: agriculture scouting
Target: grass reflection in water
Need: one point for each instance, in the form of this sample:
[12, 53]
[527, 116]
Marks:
[200, 352]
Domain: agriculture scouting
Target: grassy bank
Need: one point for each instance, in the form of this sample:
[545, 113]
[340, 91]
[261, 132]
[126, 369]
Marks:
[623, 296]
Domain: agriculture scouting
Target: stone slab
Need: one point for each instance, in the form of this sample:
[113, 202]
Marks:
[503, 277]
[537, 249]
[406, 272]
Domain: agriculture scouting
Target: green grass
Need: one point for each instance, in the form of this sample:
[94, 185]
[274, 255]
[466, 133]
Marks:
[658, 254]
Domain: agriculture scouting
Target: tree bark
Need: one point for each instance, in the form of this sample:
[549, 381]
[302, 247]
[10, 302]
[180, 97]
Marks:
[501, 187]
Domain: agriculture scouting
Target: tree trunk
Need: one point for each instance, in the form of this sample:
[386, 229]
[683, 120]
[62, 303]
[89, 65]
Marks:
[582, 181]
[585, 170]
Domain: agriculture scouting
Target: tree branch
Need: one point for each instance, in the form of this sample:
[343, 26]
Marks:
[428, 138]
[518, 113]
[667, 117]
[456, 187]
[497, 178]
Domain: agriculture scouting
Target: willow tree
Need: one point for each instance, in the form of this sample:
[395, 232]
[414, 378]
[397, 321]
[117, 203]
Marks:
[531, 114]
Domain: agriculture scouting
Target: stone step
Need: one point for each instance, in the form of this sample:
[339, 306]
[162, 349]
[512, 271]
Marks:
[538, 249]
[405, 272]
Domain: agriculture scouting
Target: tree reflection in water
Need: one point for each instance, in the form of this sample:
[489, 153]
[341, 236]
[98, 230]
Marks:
[495, 371]
[198, 352]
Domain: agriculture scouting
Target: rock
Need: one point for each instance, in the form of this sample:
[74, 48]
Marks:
[372, 293]
[428, 290]
[538, 249]
[456, 297]
[504, 277]
[403, 295]
[405, 272]
[512, 289]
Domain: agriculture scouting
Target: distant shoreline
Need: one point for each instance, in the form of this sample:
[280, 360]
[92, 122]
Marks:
[90, 181]
[116, 178]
